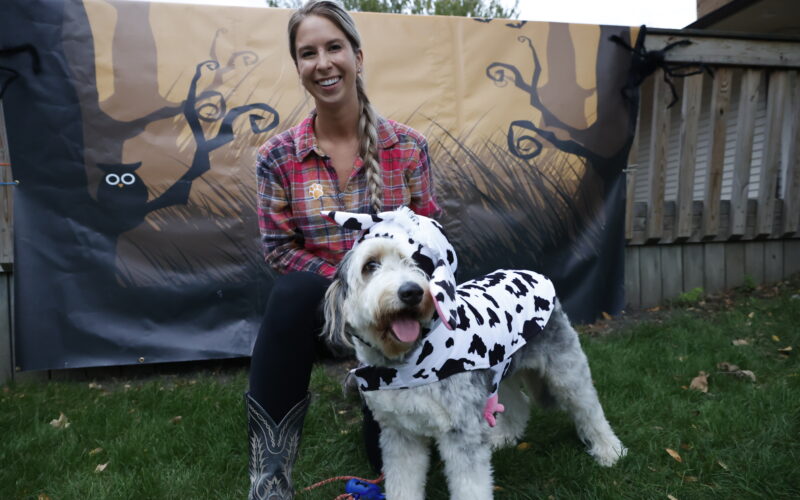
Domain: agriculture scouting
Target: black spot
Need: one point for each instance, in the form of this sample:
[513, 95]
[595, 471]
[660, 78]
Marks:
[519, 308]
[473, 286]
[491, 299]
[477, 346]
[494, 388]
[450, 256]
[493, 319]
[476, 314]
[448, 287]
[463, 320]
[449, 342]
[521, 290]
[541, 304]
[420, 374]
[351, 223]
[529, 278]
[530, 328]
[373, 376]
[423, 261]
[427, 349]
[461, 292]
[451, 367]
[497, 354]
[509, 319]
[410, 241]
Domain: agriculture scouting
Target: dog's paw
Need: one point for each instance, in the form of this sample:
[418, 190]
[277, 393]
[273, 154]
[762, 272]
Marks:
[607, 454]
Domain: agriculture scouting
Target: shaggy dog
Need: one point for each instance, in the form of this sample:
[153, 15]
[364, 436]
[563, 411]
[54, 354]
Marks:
[436, 357]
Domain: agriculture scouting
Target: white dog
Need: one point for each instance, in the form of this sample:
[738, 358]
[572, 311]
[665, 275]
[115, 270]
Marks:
[442, 362]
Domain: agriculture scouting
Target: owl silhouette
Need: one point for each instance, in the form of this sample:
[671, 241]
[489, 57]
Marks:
[122, 194]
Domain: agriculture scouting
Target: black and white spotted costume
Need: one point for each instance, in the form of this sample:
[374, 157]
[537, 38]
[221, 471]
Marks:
[482, 322]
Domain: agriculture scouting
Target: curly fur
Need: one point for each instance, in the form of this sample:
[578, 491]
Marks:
[550, 367]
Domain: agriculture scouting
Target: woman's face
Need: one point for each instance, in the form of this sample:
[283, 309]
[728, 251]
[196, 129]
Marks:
[327, 63]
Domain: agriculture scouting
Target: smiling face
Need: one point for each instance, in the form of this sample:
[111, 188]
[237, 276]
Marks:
[327, 63]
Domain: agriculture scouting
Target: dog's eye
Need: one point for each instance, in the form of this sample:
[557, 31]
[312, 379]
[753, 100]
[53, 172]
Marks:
[370, 267]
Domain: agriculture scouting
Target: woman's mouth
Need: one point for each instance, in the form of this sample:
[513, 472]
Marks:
[329, 82]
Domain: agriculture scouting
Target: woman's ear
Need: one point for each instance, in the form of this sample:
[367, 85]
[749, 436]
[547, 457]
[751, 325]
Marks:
[359, 60]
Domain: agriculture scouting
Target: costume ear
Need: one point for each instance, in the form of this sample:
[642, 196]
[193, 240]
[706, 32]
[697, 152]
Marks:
[443, 291]
[353, 221]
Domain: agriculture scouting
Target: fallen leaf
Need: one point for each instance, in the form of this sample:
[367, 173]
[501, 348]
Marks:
[95, 451]
[95, 385]
[746, 374]
[671, 497]
[101, 467]
[785, 350]
[751, 315]
[523, 446]
[775, 338]
[654, 309]
[700, 382]
[740, 342]
[498, 488]
[674, 454]
[690, 479]
[727, 367]
[686, 447]
[722, 464]
[176, 419]
[606, 315]
[43, 496]
[61, 422]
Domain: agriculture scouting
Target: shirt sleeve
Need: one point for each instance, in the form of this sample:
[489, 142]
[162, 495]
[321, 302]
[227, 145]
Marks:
[281, 242]
[420, 184]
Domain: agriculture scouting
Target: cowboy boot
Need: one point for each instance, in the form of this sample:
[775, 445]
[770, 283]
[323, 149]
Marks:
[273, 450]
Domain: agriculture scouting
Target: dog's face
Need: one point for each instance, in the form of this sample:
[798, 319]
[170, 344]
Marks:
[381, 296]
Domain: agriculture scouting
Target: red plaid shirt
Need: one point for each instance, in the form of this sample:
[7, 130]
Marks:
[296, 181]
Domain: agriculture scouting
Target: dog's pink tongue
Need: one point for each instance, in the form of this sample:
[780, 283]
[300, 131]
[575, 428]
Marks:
[406, 330]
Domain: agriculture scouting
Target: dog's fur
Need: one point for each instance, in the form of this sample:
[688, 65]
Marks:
[361, 304]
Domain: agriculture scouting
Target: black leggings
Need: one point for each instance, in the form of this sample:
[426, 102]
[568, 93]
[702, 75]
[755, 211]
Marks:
[288, 343]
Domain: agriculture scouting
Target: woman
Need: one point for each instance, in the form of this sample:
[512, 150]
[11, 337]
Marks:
[343, 156]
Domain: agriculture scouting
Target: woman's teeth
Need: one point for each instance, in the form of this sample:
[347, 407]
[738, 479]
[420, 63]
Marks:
[329, 81]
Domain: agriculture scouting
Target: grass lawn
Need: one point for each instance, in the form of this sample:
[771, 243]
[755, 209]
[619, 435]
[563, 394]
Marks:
[184, 436]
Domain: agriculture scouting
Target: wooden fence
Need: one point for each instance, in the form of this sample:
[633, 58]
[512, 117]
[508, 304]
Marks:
[714, 183]
[6, 257]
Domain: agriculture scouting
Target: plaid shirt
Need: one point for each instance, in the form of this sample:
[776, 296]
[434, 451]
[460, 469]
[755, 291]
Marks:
[296, 181]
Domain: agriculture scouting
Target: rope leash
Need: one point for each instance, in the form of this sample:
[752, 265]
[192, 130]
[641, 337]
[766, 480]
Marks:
[345, 496]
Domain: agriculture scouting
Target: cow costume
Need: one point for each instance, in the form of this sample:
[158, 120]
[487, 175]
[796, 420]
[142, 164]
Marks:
[481, 322]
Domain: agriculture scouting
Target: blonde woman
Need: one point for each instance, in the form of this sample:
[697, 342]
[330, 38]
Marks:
[343, 156]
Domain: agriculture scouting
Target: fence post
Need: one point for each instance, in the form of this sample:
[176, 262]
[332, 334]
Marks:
[6, 256]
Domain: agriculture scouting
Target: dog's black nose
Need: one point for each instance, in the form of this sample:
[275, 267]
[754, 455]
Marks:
[410, 293]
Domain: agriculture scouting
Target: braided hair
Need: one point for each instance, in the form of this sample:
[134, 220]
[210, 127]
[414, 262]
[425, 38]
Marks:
[368, 119]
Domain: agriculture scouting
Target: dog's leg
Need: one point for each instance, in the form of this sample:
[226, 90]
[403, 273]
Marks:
[405, 464]
[511, 423]
[569, 380]
[468, 464]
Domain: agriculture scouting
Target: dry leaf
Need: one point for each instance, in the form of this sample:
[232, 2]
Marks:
[727, 367]
[95, 385]
[740, 342]
[785, 350]
[176, 420]
[523, 446]
[674, 454]
[690, 479]
[700, 382]
[751, 315]
[775, 338]
[722, 464]
[95, 451]
[61, 422]
[606, 315]
[43, 496]
[746, 374]
[654, 309]
[671, 497]
[686, 447]
[101, 467]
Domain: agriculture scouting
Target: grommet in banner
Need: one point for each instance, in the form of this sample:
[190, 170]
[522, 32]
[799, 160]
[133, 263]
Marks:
[141, 360]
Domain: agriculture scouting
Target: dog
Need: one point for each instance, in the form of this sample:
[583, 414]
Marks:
[454, 364]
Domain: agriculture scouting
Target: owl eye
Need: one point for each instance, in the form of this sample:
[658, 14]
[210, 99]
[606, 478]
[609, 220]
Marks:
[112, 179]
[128, 179]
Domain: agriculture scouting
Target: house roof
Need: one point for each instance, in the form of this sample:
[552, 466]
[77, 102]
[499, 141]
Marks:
[775, 17]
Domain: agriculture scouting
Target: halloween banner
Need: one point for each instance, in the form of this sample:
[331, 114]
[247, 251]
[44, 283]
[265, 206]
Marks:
[133, 127]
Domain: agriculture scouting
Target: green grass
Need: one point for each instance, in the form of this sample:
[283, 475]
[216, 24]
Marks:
[738, 441]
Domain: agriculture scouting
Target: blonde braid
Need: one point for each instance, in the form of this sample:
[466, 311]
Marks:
[368, 148]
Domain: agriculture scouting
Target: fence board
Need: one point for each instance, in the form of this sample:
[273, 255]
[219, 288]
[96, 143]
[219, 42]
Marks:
[630, 177]
[632, 278]
[659, 142]
[672, 271]
[650, 271]
[773, 261]
[791, 192]
[710, 49]
[6, 197]
[690, 118]
[791, 257]
[693, 269]
[720, 102]
[714, 269]
[734, 265]
[754, 261]
[746, 124]
[6, 358]
[776, 100]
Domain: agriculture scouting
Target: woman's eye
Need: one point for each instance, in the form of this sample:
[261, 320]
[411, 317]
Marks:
[306, 54]
[370, 267]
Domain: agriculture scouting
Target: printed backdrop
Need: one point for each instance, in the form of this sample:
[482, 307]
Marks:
[135, 232]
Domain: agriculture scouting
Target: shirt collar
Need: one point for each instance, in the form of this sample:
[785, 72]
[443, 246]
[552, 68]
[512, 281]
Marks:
[306, 140]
